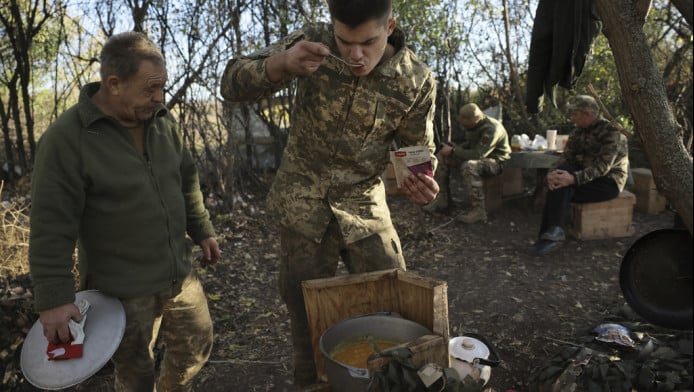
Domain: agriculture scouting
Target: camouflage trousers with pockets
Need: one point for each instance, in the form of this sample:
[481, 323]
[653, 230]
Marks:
[176, 318]
[302, 259]
[472, 172]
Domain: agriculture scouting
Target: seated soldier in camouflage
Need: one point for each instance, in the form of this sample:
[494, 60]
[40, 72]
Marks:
[483, 154]
[358, 87]
[592, 168]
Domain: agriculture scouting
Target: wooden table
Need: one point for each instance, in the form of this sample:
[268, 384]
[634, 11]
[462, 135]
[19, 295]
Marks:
[533, 159]
[541, 161]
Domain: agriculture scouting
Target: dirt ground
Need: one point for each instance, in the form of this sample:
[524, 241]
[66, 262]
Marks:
[528, 307]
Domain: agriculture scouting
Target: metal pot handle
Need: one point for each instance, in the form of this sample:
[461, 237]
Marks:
[493, 359]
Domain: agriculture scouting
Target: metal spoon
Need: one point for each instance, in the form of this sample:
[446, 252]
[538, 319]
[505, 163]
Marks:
[344, 61]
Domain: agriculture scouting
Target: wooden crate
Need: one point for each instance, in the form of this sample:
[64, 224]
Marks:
[419, 299]
[493, 188]
[648, 198]
[606, 219]
[512, 178]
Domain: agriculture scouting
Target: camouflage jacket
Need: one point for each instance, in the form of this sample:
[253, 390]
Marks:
[486, 140]
[342, 128]
[599, 150]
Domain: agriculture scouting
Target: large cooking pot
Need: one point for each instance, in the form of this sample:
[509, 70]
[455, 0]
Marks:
[381, 326]
[656, 278]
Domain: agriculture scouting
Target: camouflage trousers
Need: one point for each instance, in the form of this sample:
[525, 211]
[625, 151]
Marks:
[472, 172]
[180, 319]
[303, 259]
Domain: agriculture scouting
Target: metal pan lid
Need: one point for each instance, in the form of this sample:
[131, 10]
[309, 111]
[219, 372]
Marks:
[656, 278]
[103, 331]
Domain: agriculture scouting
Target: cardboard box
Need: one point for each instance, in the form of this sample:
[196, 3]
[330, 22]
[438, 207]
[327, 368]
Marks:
[607, 219]
[648, 198]
[331, 300]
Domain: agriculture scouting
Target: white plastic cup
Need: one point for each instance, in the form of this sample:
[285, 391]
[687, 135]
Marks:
[561, 142]
[551, 139]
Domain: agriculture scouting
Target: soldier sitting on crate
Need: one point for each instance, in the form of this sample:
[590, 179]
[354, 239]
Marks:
[485, 149]
[592, 168]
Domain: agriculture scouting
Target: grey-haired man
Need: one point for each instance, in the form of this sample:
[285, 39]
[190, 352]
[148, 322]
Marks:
[593, 168]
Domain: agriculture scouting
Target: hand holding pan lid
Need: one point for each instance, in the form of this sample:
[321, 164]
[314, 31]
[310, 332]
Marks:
[103, 332]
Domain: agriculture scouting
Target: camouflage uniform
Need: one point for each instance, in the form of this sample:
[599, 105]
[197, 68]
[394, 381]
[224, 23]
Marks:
[328, 193]
[485, 149]
[598, 157]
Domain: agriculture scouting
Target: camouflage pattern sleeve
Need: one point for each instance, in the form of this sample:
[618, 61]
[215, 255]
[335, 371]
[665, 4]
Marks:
[601, 151]
[490, 141]
[611, 160]
[417, 129]
[244, 78]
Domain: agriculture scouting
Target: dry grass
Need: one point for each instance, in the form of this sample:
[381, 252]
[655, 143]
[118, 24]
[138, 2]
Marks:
[14, 235]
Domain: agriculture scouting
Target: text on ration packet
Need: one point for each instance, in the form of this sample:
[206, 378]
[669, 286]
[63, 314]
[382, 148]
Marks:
[415, 160]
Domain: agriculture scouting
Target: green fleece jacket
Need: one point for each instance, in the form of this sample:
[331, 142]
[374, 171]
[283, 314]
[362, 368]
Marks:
[128, 212]
[487, 139]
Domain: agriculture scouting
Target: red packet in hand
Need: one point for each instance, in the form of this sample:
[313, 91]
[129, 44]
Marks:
[68, 350]
[411, 160]
[73, 348]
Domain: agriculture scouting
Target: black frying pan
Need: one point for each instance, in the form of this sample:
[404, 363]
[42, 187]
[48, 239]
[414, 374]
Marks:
[656, 278]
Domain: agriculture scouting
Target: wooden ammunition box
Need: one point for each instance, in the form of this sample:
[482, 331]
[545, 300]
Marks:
[493, 188]
[648, 198]
[606, 219]
[512, 178]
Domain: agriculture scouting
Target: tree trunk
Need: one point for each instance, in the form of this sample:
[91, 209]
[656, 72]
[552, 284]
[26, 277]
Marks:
[513, 73]
[643, 91]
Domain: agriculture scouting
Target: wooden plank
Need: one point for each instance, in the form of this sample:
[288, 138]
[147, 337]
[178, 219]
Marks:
[493, 188]
[513, 181]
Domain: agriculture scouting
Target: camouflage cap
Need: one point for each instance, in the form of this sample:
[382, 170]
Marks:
[584, 103]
